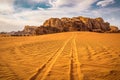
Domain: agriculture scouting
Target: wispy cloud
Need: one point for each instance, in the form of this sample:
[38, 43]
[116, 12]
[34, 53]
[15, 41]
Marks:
[105, 3]
[6, 6]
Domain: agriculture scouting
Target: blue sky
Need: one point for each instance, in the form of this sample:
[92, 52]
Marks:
[15, 14]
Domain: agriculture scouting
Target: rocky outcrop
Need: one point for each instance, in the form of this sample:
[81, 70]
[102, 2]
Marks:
[78, 24]
[30, 30]
[54, 25]
[114, 29]
[46, 30]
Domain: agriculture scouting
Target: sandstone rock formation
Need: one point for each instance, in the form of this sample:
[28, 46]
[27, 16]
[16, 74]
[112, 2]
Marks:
[54, 25]
[114, 29]
[78, 24]
[46, 30]
[29, 30]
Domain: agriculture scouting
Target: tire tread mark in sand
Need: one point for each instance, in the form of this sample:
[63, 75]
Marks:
[106, 51]
[99, 66]
[88, 53]
[45, 69]
[43, 66]
[104, 48]
[80, 75]
[71, 65]
[75, 71]
[91, 51]
[11, 70]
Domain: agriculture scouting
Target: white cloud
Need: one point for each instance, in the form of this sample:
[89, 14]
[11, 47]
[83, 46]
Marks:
[105, 3]
[6, 6]
[114, 22]
[74, 3]
[7, 27]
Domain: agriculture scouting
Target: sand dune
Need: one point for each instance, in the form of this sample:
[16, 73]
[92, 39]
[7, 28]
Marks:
[61, 56]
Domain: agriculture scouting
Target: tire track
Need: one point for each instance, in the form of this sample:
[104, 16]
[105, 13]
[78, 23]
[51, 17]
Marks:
[45, 69]
[75, 71]
[72, 71]
[11, 72]
[73, 67]
[91, 52]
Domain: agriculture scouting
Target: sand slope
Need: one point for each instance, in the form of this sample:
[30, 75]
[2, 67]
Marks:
[61, 56]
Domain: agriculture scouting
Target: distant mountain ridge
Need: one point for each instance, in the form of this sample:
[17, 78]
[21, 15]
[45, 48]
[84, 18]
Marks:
[55, 25]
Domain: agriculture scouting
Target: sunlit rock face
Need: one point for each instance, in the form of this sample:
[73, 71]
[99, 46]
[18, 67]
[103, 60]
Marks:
[65, 24]
[114, 29]
[78, 24]
[30, 30]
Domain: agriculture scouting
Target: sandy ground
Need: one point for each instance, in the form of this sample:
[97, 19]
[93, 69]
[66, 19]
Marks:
[61, 56]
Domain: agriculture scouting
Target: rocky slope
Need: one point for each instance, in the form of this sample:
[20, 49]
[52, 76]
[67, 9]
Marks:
[54, 25]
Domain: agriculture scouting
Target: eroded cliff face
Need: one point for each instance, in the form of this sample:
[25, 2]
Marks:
[78, 24]
[55, 25]
[30, 30]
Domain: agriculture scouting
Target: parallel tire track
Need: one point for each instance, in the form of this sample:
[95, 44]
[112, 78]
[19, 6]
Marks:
[45, 69]
[71, 71]
[75, 71]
